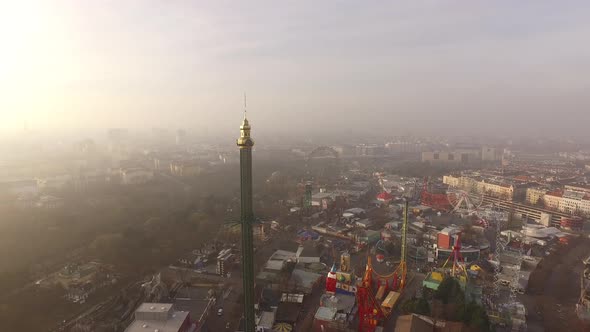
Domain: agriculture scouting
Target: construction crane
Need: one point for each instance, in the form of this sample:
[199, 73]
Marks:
[372, 308]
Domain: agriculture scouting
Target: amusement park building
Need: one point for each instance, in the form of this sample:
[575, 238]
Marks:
[447, 238]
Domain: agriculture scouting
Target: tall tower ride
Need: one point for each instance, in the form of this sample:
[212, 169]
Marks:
[308, 196]
[245, 143]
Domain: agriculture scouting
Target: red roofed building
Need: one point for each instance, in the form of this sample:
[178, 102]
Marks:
[385, 197]
[522, 178]
[557, 193]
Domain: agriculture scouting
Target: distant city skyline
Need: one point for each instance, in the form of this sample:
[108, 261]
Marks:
[308, 67]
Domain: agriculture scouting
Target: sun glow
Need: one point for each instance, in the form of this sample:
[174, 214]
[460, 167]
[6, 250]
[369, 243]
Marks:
[33, 59]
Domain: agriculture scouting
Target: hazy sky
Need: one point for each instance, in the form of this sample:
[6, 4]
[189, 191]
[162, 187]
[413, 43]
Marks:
[306, 65]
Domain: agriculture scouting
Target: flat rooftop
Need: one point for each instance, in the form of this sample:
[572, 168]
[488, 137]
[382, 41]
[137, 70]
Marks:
[305, 278]
[157, 316]
[148, 307]
[341, 302]
[193, 300]
[325, 313]
[282, 255]
[274, 265]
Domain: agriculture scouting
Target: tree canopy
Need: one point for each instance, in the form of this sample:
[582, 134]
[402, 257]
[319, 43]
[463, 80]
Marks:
[452, 297]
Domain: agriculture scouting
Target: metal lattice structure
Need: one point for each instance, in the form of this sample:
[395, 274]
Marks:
[515, 282]
[402, 269]
[415, 196]
[308, 196]
[463, 202]
[369, 310]
[499, 307]
[499, 249]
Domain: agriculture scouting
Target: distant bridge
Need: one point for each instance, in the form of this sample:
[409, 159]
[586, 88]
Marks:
[322, 152]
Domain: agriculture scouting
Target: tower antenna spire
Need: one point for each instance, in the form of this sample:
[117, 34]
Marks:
[245, 106]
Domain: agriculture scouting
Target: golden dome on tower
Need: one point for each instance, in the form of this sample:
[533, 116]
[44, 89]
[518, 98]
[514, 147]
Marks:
[245, 124]
[245, 141]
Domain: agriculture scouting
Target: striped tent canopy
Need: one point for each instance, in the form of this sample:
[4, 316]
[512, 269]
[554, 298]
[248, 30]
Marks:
[282, 327]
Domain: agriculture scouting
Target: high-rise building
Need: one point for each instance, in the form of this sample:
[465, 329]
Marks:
[180, 137]
[118, 135]
[245, 143]
[490, 154]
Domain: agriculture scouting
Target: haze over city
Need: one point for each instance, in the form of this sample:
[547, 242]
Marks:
[464, 67]
[294, 166]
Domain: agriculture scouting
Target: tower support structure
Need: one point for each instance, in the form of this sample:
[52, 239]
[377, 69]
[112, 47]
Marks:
[245, 143]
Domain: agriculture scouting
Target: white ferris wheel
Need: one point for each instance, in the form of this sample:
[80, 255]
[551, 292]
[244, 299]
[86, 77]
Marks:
[465, 203]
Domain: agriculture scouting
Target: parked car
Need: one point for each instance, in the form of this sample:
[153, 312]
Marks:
[219, 311]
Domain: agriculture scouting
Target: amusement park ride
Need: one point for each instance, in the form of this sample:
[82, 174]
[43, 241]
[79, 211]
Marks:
[372, 308]
[453, 200]
[457, 270]
[377, 294]
[437, 201]
[463, 202]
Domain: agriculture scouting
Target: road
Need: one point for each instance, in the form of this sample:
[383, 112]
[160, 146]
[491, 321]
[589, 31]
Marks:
[230, 303]
[554, 289]
[233, 304]
[311, 304]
